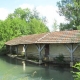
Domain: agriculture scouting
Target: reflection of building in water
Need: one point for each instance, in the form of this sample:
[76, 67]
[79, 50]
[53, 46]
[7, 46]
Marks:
[34, 73]
[23, 65]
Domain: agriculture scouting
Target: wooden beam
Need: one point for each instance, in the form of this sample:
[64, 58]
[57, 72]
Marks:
[75, 48]
[68, 48]
[25, 47]
[17, 49]
[71, 50]
[10, 49]
[40, 48]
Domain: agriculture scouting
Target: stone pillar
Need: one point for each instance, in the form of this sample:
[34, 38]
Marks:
[71, 64]
[23, 48]
[40, 57]
[40, 61]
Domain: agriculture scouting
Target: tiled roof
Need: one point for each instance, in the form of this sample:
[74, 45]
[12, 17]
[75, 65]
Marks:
[51, 37]
[28, 39]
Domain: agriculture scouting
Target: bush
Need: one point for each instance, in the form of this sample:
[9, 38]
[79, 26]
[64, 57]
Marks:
[60, 58]
[77, 74]
[32, 57]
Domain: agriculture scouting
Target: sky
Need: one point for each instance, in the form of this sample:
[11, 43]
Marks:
[46, 8]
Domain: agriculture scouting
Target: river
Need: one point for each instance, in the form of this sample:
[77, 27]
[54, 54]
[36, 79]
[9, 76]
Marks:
[12, 69]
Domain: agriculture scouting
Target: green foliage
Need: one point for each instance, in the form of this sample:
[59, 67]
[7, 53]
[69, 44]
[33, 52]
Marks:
[32, 57]
[55, 26]
[37, 26]
[60, 58]
[70, 9]
[77, 74]
[21, 22]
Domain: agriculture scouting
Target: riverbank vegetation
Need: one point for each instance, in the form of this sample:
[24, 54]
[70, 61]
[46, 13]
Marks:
[77, 73]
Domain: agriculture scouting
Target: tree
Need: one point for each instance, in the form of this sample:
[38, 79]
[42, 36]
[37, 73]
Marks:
[34, 24]
[35, 14]
[25, 14]
[23, 22]
[70, 9]
[37, 26]
[55, 26]
[20, 22]
[21, 13]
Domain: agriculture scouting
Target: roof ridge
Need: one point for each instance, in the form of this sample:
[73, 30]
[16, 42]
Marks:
[42, 37]
[65, 31]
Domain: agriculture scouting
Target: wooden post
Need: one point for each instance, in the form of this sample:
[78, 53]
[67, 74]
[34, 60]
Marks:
[39, 50]
[17, 50]
[10, 49]
[25, 47]
[71, 50]
[16, 53]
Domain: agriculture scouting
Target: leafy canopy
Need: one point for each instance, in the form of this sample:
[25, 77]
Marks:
[21, 22]
[71, 10]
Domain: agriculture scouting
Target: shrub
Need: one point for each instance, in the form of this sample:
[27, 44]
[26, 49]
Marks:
[32, 57]
[77, 74]
[60, 58]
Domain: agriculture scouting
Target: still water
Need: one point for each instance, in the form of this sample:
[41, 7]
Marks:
[12, 69]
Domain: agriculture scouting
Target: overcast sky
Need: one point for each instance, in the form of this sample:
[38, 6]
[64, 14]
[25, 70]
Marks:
[46, 8]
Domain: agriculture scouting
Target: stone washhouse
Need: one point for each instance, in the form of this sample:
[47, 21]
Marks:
[49, 45]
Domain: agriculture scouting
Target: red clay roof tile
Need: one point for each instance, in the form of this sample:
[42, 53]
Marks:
[51, 37]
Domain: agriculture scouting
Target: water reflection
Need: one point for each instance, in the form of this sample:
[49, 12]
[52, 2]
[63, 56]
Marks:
[23, 62]
[15, 67]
